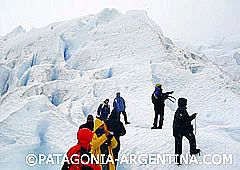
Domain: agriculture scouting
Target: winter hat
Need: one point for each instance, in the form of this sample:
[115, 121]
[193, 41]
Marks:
[84, 136]
[159, 85]
[182, 102]
[106, 100]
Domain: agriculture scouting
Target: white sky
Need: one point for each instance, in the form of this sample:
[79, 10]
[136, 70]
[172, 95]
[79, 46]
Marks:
[188, 20]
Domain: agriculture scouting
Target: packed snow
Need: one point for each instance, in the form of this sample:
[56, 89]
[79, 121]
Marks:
[53, 77]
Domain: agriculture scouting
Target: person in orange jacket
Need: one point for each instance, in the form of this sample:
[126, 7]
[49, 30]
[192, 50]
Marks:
[103, 142]
[83, 147]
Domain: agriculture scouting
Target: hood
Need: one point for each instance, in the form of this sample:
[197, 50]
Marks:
[97, 124]
[90, 119]
[118, 93]
[84, 136]
[182, 102]
[114, 114]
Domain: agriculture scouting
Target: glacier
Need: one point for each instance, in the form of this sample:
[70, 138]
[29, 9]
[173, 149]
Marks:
[53, 77]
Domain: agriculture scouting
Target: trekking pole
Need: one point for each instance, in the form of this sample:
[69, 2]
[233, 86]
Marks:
[195, 125]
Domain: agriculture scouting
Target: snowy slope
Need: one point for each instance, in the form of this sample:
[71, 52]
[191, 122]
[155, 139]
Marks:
[53, 77]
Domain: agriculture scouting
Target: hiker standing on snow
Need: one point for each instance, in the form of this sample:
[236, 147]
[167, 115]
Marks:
[83, 146]
[103, 110]
[89, 124]
[119, 105]
[103, 142]
[182, 127]
[158, 99]
[118, 129]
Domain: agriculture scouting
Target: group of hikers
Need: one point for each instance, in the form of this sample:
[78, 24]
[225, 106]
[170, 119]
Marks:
[118, 105]
[102, 136]
[182, 121]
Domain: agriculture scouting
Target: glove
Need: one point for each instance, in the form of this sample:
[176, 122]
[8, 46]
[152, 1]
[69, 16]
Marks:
[171, 92]
[110, 137]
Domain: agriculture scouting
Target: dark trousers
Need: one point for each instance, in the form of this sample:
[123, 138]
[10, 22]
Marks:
[124, 115]
[178, 144]
[158, 111]
[116, 151]
[115, 155]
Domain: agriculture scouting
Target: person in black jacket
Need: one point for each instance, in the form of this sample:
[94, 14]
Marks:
[89, 124]
[118, 129]
[182, 127]
[103, 110]
[158, 99]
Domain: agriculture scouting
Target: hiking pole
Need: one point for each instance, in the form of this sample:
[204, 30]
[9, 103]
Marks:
[173, 101]
[195, 125]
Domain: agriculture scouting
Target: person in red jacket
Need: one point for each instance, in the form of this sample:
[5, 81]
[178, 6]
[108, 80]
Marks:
[83, 147]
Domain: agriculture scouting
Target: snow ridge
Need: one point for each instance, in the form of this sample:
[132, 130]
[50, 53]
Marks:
[53, 77]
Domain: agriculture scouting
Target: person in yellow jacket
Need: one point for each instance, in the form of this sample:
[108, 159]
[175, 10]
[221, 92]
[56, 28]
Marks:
[102, 143]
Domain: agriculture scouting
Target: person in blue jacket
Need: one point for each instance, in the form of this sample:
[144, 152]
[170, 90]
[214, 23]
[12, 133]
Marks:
[103, 110]
[119, 105]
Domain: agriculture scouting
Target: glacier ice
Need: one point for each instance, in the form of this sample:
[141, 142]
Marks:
[53, 77]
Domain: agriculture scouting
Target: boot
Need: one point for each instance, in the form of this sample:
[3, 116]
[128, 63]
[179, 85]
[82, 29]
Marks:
[178, 160]
[195, 151]
[154, 127]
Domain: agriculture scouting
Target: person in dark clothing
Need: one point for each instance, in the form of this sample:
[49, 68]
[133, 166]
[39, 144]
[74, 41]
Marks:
[119, 105]
[103, 110]
[158, 99]
[182, 127]
[89, 124]
[118, 129]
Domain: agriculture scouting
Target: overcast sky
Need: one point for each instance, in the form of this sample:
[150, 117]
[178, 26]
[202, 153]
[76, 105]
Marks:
[188, 20]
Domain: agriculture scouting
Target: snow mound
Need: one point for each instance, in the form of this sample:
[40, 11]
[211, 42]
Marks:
[53, 77]
[16, 31]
